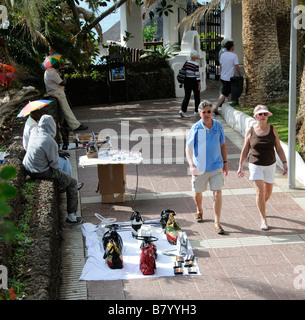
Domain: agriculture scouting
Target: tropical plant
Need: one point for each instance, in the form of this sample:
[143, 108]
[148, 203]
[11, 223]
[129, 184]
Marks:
[149, 32]
[7, 228]
[161, 52]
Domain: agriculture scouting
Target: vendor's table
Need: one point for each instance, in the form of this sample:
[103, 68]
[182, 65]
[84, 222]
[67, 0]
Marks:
[111, 171]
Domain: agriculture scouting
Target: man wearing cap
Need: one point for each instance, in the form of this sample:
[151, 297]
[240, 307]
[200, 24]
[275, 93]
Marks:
[191, 83]
[261, 139]
[55, 87]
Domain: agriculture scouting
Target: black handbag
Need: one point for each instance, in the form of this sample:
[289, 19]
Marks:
[165, 216]
[113, 246]
[136, 223]
[181, 74]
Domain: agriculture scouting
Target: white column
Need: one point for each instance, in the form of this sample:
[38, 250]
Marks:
[292, 99]
[170, 31]
[227, 16]
[233, 28]
[131, 23]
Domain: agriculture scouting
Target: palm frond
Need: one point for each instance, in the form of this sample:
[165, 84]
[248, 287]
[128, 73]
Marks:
[191, 20]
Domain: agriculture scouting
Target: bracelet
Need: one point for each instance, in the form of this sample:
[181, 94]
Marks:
[225, 161]
[284, 161]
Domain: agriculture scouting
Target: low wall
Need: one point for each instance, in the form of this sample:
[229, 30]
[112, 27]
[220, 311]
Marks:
[42, 258]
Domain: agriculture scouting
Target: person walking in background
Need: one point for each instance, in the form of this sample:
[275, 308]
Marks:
[206, 154]
[55, 87]
[228, 65]
[260, 140]
[41, 161]
[191, 83]
[223, 47]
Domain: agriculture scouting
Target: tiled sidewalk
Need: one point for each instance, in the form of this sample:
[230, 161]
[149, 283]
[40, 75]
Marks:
[244, 263]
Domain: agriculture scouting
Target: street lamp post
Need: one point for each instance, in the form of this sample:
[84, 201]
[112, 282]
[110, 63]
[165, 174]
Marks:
[292, 100]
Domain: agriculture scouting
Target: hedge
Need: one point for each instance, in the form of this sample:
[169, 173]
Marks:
[145, 81]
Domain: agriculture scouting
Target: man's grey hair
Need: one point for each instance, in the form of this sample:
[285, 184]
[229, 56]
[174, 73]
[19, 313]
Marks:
[205, 103]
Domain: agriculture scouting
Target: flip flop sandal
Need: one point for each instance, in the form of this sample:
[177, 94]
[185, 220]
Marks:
[219, 230]
[198, 217]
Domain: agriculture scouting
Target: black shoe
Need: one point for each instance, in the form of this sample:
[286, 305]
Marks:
[81, 127]
[80, 185]
[74, 223]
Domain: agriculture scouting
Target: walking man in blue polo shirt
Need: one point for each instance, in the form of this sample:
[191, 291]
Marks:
[206, 153]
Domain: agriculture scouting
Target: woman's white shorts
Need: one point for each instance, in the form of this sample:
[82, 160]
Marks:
[214, 178]
[266, 173]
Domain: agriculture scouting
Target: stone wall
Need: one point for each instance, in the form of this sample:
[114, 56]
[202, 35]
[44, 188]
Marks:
[42, 262]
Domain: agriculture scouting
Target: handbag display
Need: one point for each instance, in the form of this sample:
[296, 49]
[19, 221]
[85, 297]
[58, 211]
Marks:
[148, 254]
[113, 246]
[182, 243]
[148, 260]
[136, 223]
[148, 240]
[172, 229]
[164, 217]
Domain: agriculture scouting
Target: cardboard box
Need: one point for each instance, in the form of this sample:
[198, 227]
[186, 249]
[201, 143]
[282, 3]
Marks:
[113, 198]
[112, 180]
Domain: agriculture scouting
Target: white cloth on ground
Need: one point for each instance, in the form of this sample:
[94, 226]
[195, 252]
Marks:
[96, 268]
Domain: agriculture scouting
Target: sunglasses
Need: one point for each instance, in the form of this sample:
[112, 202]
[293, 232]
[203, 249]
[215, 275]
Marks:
[263, 113]
[204, 112]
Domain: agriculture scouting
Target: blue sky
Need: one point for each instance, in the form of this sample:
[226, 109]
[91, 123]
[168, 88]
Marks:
[110, 20]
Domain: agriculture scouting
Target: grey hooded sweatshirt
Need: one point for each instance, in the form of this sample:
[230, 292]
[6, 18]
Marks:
[42, 150]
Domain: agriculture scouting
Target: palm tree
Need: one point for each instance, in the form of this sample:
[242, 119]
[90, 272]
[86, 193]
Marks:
[300, 123]
[262, 60]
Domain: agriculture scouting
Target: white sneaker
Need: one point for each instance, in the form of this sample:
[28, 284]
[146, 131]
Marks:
[196, 113]
[264, 226]
[182, 114]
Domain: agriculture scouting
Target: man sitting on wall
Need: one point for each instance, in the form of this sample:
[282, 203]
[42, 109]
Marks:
[41, 161]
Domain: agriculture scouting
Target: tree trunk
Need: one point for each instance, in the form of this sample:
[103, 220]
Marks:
[283, 38]
[300, 123]
[262, 61]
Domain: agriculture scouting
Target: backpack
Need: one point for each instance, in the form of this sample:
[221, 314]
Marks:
[181, 74]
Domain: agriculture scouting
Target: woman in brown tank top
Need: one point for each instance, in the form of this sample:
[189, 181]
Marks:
[261, 139]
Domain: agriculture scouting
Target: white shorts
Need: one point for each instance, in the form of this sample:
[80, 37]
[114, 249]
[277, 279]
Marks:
[265, 173]
[215, 178]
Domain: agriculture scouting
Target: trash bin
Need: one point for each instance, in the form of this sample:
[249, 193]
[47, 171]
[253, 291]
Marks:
[236, 88]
